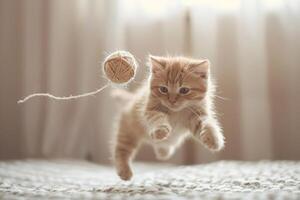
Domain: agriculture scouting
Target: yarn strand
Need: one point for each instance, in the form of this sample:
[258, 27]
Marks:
[119, 68]
[64, 97]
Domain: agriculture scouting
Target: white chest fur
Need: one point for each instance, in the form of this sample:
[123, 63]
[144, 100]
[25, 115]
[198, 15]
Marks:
[178, 123]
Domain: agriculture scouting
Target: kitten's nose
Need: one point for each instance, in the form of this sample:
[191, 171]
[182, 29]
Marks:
[172, 99]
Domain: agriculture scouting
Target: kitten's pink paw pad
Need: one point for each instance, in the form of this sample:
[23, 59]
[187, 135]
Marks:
[212, 142]
[125, 174]
[160, 134]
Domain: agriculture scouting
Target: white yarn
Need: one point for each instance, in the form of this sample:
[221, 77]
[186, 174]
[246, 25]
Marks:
[120, 54]
[62, 98]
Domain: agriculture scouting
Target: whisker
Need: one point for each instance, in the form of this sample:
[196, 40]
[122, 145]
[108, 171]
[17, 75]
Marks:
[223, 98]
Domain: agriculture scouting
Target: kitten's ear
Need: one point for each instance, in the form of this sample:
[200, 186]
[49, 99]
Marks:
[157, 63]
[199, 68]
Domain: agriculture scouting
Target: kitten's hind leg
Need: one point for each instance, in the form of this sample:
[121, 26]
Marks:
[163, 152]
[124, 152]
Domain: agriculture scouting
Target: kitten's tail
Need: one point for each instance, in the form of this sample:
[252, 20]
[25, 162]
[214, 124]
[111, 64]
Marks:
[122, 96]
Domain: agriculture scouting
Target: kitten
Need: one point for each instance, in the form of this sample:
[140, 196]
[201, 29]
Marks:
[176, 102]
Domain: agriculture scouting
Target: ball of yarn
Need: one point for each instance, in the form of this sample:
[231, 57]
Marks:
[120, 67]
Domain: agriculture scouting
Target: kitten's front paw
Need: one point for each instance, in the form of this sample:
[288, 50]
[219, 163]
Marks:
[212, 141]
[160, 133]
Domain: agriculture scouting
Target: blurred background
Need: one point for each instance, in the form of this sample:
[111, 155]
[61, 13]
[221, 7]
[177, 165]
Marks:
[57, 46]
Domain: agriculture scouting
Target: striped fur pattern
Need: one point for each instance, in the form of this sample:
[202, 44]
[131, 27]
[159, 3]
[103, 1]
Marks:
[176, 102]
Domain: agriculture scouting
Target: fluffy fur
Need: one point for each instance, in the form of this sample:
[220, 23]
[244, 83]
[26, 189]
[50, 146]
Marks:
[176, 102]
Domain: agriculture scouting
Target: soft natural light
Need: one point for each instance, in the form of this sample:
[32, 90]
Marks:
[155, 8]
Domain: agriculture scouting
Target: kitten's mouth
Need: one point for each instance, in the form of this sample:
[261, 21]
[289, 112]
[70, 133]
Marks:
[173, 107]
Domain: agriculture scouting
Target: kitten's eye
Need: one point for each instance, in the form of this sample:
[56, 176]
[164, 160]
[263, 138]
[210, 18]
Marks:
[184, 90]
[163, 89]
[204, 76]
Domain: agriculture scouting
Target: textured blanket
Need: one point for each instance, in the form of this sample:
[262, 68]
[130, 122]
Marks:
[61, 179]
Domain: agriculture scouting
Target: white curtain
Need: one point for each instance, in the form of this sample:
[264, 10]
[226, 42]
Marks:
[56, 46]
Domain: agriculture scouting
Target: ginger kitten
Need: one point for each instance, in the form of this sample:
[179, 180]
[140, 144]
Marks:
[176, 102]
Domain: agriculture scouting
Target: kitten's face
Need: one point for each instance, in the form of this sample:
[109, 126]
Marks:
[178, 82]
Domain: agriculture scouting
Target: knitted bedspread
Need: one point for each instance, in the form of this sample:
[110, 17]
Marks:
[65, 179]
